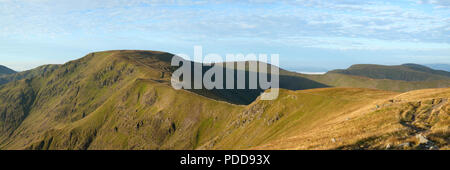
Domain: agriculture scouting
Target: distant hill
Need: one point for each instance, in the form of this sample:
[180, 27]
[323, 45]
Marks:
[5, 70]
[444, 67]
[332, 79]
[405, 72]
[345, 80]
[41, 70]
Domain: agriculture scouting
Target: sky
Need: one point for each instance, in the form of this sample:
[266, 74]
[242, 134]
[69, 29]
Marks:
[309, 35]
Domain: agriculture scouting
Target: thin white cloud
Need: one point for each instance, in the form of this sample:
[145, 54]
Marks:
[268, 20]
[436, 3]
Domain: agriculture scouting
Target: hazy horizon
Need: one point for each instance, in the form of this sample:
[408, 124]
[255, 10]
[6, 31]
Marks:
[298, 69]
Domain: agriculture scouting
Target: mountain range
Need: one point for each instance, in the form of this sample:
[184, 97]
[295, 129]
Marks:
[124, 100]
[405, 72]
[444, 67]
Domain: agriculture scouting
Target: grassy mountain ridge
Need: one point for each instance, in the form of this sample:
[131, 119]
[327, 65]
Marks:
[124, 100]
[247, 96]
[406, 72]
[343, 80]
[444, 67]
[99, 82]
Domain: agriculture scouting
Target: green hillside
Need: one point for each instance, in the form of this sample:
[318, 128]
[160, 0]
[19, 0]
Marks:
[444, 67]
[117, 91]
[247, 95]
[332, 79]
[124, 100]
[406, 72]
[367, 119]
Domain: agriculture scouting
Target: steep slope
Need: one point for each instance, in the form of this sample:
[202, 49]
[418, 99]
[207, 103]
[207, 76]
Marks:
[109, 100]
[149, 115]
[144, 115]
[15, 104]
[68, 94]
[406, 72]
[5, 70]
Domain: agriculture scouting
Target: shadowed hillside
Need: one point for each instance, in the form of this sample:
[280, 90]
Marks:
[5, 70]
[247, 95]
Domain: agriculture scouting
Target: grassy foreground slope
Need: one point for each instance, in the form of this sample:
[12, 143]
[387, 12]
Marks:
[414, 120]
[123, 100]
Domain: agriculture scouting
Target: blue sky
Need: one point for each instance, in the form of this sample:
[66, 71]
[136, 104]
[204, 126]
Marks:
[309, 35]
